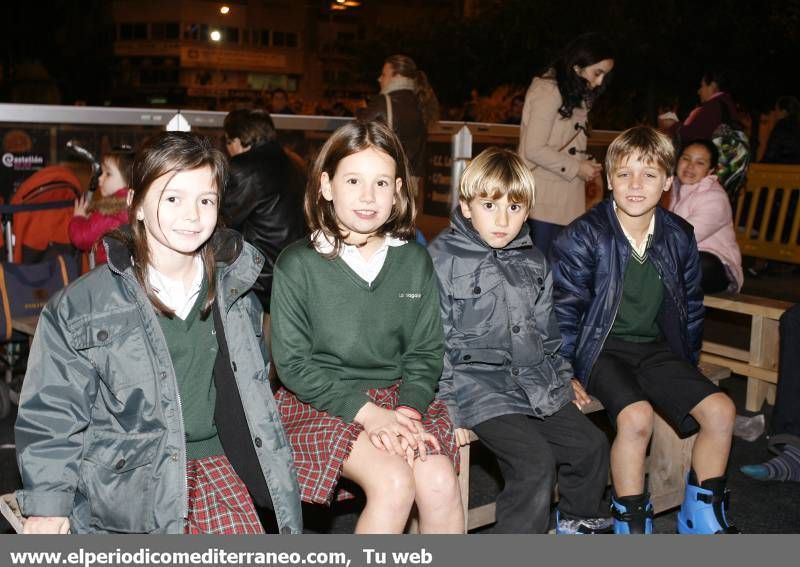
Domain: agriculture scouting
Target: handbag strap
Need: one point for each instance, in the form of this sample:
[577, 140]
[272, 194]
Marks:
[389, 118]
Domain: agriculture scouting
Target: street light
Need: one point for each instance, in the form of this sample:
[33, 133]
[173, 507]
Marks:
[224, 10]
[216, 37]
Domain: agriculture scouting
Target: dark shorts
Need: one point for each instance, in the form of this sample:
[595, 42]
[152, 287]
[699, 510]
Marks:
[627, 372]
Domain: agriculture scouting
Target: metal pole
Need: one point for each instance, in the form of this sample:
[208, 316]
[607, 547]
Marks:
[461, 154]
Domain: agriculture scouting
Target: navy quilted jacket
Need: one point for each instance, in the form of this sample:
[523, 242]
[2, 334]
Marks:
[589, 259]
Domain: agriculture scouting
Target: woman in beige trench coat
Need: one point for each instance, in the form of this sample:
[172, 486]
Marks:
[553, 133]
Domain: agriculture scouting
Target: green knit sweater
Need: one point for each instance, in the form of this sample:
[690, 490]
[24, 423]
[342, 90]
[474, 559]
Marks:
[334, 336]
[193, 348]
[642, 294]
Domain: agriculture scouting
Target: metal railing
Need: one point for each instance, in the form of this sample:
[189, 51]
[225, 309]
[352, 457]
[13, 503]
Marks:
[450, 149]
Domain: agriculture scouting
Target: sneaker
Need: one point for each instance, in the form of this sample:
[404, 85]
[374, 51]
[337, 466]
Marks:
[585, 526]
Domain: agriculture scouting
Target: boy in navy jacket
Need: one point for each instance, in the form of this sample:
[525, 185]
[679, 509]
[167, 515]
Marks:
[628, 299]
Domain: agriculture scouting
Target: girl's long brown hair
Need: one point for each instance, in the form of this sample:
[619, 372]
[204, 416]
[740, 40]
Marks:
[347, 140]
[170, 153]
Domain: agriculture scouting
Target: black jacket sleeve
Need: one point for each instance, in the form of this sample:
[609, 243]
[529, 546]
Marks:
[263, 202]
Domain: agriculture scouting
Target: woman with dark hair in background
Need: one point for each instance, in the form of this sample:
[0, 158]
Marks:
[553, 133]
[408, 105]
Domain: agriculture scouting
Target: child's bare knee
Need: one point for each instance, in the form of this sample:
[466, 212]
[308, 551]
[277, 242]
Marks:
[636, 421]
[439, 479]
[396, 483]
[717, 413]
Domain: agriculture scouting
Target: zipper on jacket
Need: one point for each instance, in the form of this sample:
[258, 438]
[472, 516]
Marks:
[183, 459]
[279, 517]
[614, 318]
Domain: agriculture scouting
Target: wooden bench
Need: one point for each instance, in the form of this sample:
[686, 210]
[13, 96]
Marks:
[667, 465]
[765, 228]
[759, 363]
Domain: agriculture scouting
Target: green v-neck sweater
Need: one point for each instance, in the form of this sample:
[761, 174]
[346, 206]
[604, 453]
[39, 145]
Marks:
[642, 294]
[193, 348]
[334, 336]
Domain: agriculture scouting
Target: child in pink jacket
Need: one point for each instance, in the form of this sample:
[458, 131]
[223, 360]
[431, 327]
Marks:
[701, 200]
[107, 210]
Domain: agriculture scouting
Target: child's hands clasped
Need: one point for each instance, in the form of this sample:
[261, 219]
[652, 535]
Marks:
[394, 431]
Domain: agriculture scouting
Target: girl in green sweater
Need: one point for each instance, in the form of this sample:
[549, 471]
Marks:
[357, 341]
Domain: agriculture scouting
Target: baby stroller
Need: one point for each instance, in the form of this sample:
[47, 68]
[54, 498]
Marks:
[39, 261]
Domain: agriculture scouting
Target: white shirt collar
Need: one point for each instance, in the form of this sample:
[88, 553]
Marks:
[367, 270]
[641, 248]
[171, 291]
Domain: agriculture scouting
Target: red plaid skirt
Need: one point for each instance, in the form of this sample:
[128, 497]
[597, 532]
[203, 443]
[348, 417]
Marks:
[322, 442]
[218, 499]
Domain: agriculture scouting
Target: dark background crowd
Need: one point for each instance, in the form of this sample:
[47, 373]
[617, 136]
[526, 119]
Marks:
[62, 51]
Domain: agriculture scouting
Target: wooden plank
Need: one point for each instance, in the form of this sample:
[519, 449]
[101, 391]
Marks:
[463, 480]
[714, 372]
[481, 516]
[25, 325]
[757, 392]
[742, 368]
[670, 458]
[725, 351]
[748, 304]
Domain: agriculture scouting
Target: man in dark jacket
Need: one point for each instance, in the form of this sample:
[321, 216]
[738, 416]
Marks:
[263, 199]
[630, 308]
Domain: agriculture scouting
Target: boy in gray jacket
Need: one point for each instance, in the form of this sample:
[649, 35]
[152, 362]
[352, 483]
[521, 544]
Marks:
[503, 375]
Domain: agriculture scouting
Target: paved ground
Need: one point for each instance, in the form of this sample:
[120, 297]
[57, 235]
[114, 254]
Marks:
[756, 507]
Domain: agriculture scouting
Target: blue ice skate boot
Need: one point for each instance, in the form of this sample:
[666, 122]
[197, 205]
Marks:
[705, 506]
[632, 514]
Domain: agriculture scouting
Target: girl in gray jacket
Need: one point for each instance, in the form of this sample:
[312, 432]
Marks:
[503, 375]
[146, 406]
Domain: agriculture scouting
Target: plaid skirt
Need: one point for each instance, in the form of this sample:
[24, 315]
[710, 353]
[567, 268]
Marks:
[218, 499]
[322, 442]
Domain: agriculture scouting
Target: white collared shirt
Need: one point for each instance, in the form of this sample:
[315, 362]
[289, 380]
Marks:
[172, 293]
[641, 249]
[367, 269]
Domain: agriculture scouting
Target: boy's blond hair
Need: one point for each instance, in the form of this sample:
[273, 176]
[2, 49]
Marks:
[650, 145]
[497, 172]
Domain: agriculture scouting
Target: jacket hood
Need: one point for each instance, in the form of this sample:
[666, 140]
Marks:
[463, 225]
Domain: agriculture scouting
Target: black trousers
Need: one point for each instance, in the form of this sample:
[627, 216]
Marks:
[786, 414]
[714, 275]
[532, 452]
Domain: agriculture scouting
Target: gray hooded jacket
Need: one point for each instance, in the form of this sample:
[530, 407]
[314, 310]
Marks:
[501, 334]
[99, 432]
